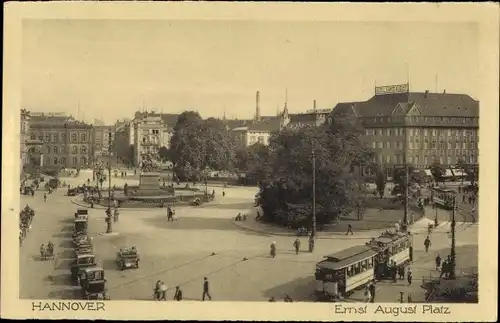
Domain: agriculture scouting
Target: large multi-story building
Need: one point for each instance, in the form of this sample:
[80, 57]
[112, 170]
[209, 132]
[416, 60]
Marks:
[24, 132]
[100, 143]
[149, 131]
[420, 128]
[66, 141]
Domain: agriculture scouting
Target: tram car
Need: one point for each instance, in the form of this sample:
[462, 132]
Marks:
[443, 197]
[394, 249]
[340, 274]
[343, 272]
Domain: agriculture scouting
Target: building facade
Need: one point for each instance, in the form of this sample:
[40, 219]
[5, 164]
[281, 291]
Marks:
[24, 136]
[312, 117]
[66, 142]
[150, 131]
[420, 128]
[101, 143]
[253, 133]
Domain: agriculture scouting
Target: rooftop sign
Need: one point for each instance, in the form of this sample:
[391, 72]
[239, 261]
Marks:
[48, 114]
[391, 89]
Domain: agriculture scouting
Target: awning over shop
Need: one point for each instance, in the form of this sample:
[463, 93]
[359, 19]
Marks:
[427, 172]
[448, 173]
[458, 172]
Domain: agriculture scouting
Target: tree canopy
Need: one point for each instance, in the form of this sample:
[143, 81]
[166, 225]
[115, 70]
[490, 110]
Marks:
[286, 196]
[199, 144]
[438, 171]
[380, 180]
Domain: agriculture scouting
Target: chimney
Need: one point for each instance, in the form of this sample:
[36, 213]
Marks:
[314, 105]
[257, 106]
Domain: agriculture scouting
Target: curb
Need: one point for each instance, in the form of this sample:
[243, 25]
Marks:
[99, 207]
[134, 209]
[332, 236]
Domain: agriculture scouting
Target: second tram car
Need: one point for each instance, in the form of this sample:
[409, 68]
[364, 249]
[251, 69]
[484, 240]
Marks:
[443, 197]
[345, 271]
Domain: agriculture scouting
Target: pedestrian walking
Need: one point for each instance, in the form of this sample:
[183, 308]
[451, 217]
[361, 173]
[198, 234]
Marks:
[463, 199]
[296, 244]
[163, 291]
[206, 291]
[401, 297]
[438, 262]
[409, 276]
[349, 229]
[409, 298]
[45, 197]
[311, 243]
[427, 243]
[223, 193]
[178, 294]
[156, 290]
[368, 295]
[273, 249]
[401, 271]
[372, 291]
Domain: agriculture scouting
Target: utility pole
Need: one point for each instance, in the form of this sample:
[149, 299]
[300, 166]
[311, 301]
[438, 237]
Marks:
[453, 253]
[405, 216]
[109, 220]
[313, 230]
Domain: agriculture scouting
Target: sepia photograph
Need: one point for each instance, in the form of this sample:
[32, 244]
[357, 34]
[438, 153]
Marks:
[200, 160]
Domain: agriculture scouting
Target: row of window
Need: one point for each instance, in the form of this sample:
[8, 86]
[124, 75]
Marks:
[150, 140]
[425, 132]
[359, 267]
[61, 150]
[426, 145]
[424, 119]
[62, 161]
[442, 145]
[427, 160]
[398, 247]
[54, 137]
[441, 139]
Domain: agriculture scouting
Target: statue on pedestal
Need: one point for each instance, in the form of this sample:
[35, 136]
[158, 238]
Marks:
[149, 163]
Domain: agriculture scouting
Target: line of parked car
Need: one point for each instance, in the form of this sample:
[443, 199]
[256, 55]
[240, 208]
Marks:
[84, 269]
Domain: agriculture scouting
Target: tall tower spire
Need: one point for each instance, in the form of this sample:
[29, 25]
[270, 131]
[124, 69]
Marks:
[224, 113]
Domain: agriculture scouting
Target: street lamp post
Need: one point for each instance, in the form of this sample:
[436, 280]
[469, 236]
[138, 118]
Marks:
[313, 230]
[453, 252]
[109, 228]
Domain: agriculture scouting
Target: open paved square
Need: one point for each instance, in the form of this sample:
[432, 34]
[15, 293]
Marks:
[203, 242]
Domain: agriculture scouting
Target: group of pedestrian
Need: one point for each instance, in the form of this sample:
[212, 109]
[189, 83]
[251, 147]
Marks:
[160, 291]
[446, 266]
[46, 251]
[25, 218]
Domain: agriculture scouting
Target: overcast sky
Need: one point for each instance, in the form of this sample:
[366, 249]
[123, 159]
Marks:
[114, 67]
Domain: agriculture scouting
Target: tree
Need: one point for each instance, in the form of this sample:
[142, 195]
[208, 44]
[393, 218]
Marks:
[286, 195]
[438, 171]
[380, 180]
[121, 146]
[187, 146]
[220, 147]
[471, 171]
[164, 153]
